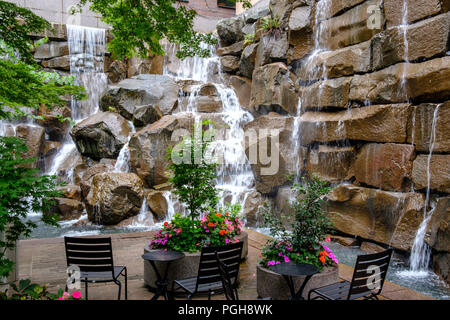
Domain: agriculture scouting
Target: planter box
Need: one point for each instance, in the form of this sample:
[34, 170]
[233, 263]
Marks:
[271, 284]
[184, 268]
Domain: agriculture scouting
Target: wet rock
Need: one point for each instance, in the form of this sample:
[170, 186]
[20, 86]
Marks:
[60, 63]
[86, 174]
[337, 63]
[51, 148]
[101, 135]
[51, 49]
[270, 151]
[248, 58]
[300, 18]
[71, 191]
[257, 11]
[438, 170]
[242, 86]
[152, 65]
[230, 30]
[54, 127]
[65, 169]
[252, 204]
[148, 146]
[67, 209]
[351, 27]
[337, 6]
[209, 104]
[371, 247]
[272, 48]
[157, 203]
[301, 43]
[417, 10]
[229, 63]
[387, 166]
[438, 228]
[283, 204]
[116, 71]
[381, 123]
[144, 89]
[273, 89]
[424, 40]
[234, 50]
[381, 216]
[144, 115]
[422, 126]
[282, 10]
[34, 137]
[427, 81]
[328, 93]
[441, 265]
[113, 197]
[330, 163]
[345, 241]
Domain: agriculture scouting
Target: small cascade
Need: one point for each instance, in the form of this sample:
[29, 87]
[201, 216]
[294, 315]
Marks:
[123, 159]
[87, 47]
[420, 252]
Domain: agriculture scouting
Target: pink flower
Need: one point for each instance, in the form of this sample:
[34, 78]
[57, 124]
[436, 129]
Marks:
[278, 262]
[271, 263]
[280, 254]
[65, 296]
[286, 259]
[60, 298]
[76, 294]
[327, 239]
[227, 241]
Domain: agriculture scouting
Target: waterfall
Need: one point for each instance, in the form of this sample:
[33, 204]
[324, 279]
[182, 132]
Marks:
[87, 48]
[420, 252]
[235, 177]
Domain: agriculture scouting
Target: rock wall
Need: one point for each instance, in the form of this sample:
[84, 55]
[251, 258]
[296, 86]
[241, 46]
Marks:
[370, 81]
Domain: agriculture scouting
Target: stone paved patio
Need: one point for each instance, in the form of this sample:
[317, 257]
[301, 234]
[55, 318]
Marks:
[43, 261]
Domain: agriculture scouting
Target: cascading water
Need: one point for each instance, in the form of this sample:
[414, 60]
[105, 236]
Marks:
[87, 47]
[420, 252]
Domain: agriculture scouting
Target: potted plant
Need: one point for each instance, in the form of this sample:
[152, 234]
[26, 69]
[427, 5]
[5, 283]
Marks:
[206, 224]
[302, 242]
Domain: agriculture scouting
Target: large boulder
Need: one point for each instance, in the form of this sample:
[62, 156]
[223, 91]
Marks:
[428, 81]
[66, 209]
[229, 63]
[157, 203]
[148, 146]
[331, 163]
[387, 166]
[422, 40]
[114, 196]
[242, 87]
[102, 135]
[272, 48]
[337, 63]
[230, 30]
[422, 127]
[34, 137]
[438, 228]
[234, 50]
[251, 206]
[270, 151]
[54, 127]
[388, 217]
[326, 94]
[144, 89]
[273, 89]
[437, 170]
[351, 27]
[84, 175]
[381, 123]
[147, 114]
[248, 59]
[51, 49]
[417, 10]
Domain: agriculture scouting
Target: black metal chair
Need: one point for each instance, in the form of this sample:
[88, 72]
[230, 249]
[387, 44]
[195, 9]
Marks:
[94, 258]
[208, 280]
[227, 285]
[367, 282]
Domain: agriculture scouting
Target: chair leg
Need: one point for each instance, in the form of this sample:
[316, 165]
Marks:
[120, 289]
[86, 289]
[126, 284]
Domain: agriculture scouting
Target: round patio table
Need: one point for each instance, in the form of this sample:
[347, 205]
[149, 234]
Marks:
[293, 269]
[161, 282]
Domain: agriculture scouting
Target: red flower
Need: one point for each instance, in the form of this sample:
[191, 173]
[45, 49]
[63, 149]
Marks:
[222, 232]
[218, 215]
[210, 224]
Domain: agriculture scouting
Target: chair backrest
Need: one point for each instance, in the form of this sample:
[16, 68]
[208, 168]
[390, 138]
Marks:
[226, 280]
[90, 254]
[369, 274]
[208, 270]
